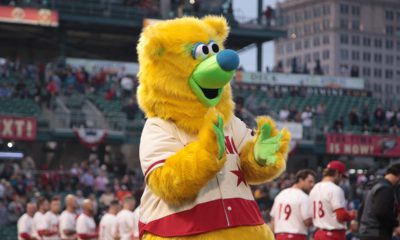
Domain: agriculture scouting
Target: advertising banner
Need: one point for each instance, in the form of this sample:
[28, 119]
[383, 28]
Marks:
[364, 145]
[31, 16]
[18, 128]
[305, 80]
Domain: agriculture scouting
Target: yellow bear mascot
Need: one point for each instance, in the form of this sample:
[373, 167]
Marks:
[198, 159]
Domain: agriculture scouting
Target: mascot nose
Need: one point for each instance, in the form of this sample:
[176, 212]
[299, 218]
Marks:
[228, 60]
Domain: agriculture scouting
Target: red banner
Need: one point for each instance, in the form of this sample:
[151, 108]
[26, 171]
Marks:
[33, 16]
[364, 145]
[17, 128]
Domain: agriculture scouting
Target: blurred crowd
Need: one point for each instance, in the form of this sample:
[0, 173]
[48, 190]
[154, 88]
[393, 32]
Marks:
[44, 82]
[23, 182]
[379, 120]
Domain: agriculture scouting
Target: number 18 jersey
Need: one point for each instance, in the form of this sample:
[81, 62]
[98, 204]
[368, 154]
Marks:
[291, 207]
[327, 197]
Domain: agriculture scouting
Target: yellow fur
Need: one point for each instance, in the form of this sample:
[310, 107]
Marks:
[166, 64]
[260, 232]
[253, 172]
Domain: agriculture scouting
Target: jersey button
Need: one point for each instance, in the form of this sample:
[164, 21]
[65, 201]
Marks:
[229, 208]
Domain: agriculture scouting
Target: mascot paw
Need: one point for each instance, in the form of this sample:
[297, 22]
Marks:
[271, 144]
[212, 133]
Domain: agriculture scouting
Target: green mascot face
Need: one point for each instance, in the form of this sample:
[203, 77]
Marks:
[213, 73]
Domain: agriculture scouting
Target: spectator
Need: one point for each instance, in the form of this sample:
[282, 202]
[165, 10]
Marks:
[87, 179]
[292, 113]
[127, 86]
[338, 125]
[251, 103]
[15, 209]
[284, 114]
[379, 115]
[321, 109]
[353, 117]
[110, 95]
[268, 14]
[101, 183]
[263, 109]
[306, 118]
[131, 109]
[390, 116]
[107, 197]
[365, 115]
[123, 192]
[52, 90]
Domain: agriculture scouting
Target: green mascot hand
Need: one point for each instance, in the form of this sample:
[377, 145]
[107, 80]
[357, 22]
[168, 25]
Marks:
[219, 133]
[266, 147]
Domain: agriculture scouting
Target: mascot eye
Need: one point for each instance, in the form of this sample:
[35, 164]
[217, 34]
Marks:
[214, 48]
[201, 51]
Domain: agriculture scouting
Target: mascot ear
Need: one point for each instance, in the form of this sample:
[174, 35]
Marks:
[150, 44]
[219, 24]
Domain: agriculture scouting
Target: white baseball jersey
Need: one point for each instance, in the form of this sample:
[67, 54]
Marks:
[52, 221]
[291, 208]
[85, 225]
[126, 221]
[67, 222]
[108, 227]
[225, 201]
[39, 223]
[25, 225]
[326, 197]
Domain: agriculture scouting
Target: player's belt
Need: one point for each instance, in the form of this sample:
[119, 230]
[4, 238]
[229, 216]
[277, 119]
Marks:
[332, 230]
[294, 234]
[297, 236]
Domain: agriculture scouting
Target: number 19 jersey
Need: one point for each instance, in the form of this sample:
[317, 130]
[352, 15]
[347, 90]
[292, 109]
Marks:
[327, 197]
[291, 207]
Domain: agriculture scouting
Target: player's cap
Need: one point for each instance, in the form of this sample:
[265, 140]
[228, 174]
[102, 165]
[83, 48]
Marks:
[337, 165]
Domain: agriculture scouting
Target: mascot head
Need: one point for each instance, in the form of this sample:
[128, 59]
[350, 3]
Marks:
[185, 70]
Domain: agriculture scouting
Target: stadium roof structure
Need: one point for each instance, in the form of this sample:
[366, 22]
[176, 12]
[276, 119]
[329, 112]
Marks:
[105, 30]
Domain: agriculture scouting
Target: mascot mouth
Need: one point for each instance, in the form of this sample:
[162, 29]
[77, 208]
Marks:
[209, 78]
[210, 93]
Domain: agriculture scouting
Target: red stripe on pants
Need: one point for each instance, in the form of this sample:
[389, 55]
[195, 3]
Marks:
[290, 236]
[330, 235]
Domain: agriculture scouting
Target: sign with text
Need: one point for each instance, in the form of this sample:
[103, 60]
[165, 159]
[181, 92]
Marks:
[363, 145]
[32, 16]
[300, 80]
[18, 128]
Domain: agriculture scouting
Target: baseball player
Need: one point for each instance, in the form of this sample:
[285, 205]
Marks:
[25, 222]
[39, 221]
[68, 219]
[52, 220]
[291, 214]
[108, 224]
[329, 214]
[85, 225]
[126, 219]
